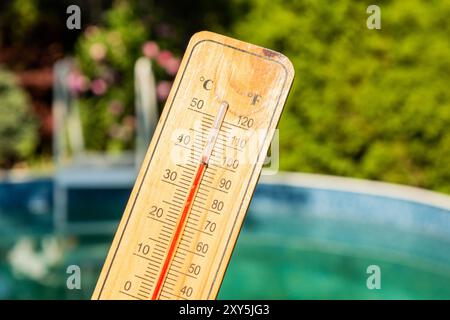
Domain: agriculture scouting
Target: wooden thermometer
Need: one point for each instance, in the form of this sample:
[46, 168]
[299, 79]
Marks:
[197, 179]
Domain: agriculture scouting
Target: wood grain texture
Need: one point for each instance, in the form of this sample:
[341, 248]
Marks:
[255, 82]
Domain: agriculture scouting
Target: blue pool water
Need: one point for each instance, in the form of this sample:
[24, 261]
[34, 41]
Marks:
[297, 243]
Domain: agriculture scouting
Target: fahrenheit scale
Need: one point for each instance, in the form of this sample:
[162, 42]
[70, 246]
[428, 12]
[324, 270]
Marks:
[197, 179]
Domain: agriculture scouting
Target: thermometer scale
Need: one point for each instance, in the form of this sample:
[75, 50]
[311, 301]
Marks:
[187, 206]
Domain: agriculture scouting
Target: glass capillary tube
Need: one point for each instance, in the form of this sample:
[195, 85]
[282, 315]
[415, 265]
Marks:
[214, 132]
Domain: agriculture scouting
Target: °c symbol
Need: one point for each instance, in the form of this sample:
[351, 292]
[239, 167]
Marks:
[207, 83]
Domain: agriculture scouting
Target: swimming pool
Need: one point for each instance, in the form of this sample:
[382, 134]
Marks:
[305, 237]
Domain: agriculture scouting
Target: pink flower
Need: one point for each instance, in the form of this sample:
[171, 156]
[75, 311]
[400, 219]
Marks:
[116, 108]
[120, 132]
[129, 122]
[114, 130]
[150, 49]
[91, 30]
[97, 51]
[164, 57]
[163, 89]
[99, 87]
[172, 66]
[77, 82]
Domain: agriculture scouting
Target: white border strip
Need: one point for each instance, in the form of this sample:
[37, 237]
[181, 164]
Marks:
[376, 188]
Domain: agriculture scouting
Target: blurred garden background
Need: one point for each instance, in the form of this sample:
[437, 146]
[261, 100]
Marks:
[366, 103]
[369, 104]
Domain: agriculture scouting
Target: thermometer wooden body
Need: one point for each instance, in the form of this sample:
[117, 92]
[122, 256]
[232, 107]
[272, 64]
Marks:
[197, 179]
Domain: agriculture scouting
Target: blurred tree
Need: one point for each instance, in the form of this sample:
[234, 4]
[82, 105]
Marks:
[18, 129]
[365, 103]
[106, 54]
[33, 35]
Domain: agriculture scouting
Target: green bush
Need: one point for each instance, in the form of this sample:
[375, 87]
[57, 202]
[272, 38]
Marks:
[106, 54]
[18, 128]
[365, 103]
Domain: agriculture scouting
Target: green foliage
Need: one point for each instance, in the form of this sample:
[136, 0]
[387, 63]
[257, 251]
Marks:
[106, 54]
[25, 13]
[18, 128]
[365, 103]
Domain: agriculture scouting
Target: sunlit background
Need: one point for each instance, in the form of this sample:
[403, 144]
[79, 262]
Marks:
[78, 107]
